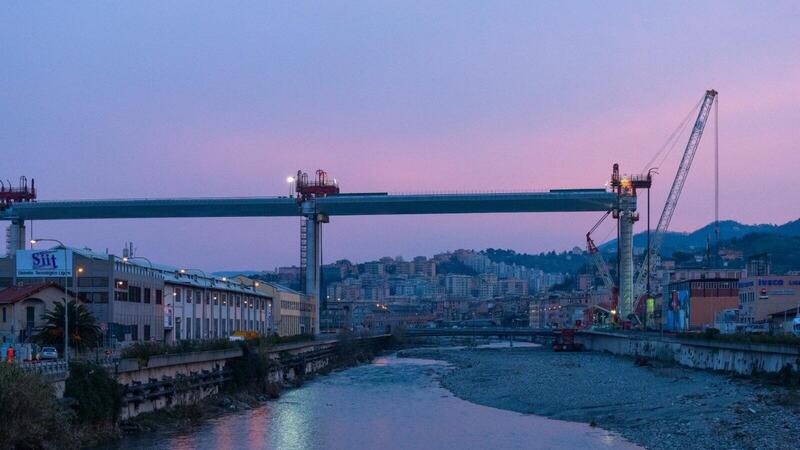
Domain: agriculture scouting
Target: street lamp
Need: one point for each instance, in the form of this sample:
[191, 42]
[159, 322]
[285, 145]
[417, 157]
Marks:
[125, 259]
[66, 302]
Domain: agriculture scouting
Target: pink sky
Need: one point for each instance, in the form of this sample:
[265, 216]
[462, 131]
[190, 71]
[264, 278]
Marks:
[147, 100]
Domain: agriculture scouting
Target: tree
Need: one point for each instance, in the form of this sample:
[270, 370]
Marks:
[83, 330]
[32, 416]
[97, 395]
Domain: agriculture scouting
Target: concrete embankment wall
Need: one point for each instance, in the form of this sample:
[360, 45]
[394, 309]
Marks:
[741, 358]
[171, 380]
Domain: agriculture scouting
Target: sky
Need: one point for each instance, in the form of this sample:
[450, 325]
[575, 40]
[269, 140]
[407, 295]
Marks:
[213, 99]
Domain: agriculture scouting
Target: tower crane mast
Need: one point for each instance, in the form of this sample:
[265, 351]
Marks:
[675, 192]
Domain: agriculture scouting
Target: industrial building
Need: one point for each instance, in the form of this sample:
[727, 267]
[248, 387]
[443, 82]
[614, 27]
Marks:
[695, 304]
[761, 296]
[293, 313]
[135, 300]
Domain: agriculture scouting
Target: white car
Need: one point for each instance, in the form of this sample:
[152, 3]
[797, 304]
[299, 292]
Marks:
[48, 353]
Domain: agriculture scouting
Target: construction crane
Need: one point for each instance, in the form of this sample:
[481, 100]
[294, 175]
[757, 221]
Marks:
[597, 257]
[674, 193]
[629, 184]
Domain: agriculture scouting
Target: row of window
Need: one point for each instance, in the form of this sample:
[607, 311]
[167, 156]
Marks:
[191, 329]
[195, 296]
[297, 306]
[137, 294]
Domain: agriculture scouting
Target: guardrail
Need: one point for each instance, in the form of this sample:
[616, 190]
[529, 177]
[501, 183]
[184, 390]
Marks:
[44, 367]
[481, 332]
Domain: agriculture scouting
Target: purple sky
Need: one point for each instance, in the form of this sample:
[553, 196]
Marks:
[102, 100]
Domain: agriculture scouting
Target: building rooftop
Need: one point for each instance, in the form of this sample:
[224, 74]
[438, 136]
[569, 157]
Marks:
[14, 294]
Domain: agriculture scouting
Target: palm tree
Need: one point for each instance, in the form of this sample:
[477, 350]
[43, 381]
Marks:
[83, 331]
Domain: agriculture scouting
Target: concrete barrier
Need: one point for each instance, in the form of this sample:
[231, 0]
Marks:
[737, 357]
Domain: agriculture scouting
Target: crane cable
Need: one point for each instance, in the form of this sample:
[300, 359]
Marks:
[672, 140]
[716, 179]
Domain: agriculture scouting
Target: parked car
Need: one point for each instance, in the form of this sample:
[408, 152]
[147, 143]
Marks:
[48, 353]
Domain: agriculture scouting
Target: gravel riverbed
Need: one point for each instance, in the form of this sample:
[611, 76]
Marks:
[656, 406]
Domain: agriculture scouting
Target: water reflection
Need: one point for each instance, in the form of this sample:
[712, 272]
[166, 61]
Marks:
[394, 403]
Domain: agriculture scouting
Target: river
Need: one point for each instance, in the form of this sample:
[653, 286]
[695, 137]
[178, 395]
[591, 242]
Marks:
[392, 403]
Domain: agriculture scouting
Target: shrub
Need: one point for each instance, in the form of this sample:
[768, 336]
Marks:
[32, 417]
[97, 395]
[710, 333]
[143, 351]
[251, 369]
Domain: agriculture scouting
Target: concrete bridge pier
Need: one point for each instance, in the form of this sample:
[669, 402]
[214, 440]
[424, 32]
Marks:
[312, 257]
[16, 237]
[627, 216]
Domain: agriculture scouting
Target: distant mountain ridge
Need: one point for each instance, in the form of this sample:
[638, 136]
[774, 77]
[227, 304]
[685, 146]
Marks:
[688, 241]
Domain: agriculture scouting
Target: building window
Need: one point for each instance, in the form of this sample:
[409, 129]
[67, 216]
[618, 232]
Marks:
[135, 332]
[121, 296]
[147, 331]
[146, 300]
[177, 295]
[177, 328]
[197, 328]
[121, 284]
[92, 282]
[216, 329]
[208, 331]
[189, 329]
[159, 296]
[188, 296]
[134, 294]
[95, 297]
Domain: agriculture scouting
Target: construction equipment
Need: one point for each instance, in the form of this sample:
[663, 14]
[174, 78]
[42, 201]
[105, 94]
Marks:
[22, 193]
[565, 341]
[626, 186]
[308, 190]
[674, 193]
[320, 187]
[597, 257]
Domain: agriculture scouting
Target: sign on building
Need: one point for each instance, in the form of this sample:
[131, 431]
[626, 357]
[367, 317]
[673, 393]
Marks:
[44, 263]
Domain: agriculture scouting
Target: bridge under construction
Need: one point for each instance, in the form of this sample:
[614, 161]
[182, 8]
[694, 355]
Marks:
[316, 209]
[318, 199]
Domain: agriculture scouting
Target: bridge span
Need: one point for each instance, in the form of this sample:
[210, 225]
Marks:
[318, 210]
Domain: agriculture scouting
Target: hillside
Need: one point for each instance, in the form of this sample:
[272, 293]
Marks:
[696, 240]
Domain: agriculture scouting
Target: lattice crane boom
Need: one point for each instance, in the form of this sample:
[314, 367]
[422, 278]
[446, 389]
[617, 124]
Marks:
[675, 191]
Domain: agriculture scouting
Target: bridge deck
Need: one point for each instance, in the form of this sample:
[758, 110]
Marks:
[342, 205]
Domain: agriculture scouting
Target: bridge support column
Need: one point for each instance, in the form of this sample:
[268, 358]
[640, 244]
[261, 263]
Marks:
[313, 260]
[627, 217]
[16, 237]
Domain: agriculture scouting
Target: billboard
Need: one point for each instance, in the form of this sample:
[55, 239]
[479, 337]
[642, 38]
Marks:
[44, 263]
[168, 313]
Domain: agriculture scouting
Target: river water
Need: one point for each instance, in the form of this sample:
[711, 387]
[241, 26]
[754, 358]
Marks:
[392, 403]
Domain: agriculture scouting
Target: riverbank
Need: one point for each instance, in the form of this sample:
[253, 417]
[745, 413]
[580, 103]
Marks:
[392, 403]
[657, 406]
[256, 379]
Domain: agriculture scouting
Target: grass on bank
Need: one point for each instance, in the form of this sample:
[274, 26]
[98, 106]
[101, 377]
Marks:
[713, 334]
[143, 351]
